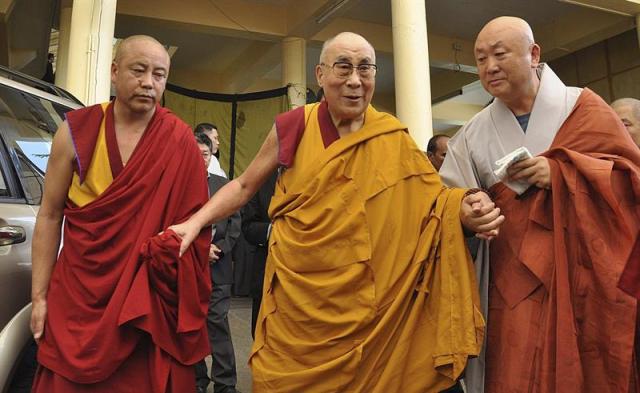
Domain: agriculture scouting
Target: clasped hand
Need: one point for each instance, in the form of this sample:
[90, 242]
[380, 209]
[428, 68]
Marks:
[480, 215]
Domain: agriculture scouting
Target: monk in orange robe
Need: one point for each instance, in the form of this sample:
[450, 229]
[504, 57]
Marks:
[118, 310]
[368, 284]
[557, 321]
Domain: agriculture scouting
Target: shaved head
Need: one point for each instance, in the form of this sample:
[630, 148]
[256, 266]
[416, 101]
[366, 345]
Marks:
[632, 103]
[517, 28]
[346, 73]
[139, 73]
[130, 42]
[508, 58]
[628, 109]
[351, 39]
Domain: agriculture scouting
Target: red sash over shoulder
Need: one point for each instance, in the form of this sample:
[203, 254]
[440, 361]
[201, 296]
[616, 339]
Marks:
[118, 288]
[557, 321]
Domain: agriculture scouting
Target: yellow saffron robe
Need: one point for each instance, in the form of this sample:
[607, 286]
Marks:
[368, 285]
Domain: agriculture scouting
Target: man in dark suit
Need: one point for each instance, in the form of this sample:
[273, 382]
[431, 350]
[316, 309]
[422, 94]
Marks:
[256, 227]
[225, 234]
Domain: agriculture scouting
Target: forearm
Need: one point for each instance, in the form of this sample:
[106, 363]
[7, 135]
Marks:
[224, 203]
[46, 242]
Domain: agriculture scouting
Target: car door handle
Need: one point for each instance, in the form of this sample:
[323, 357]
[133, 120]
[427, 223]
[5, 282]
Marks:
[10, 234]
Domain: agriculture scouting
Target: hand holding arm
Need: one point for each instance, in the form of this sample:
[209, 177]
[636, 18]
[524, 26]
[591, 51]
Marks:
[479, 214]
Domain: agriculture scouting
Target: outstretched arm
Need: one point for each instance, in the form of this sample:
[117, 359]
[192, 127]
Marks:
[234, 194]
[46, 235]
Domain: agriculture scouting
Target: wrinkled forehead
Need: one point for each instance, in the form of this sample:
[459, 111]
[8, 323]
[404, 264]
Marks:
[353, 50]
[144, 49]
[500, 36]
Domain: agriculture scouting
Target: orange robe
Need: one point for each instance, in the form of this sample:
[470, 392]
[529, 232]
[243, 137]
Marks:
[368, 284]
[557, 321]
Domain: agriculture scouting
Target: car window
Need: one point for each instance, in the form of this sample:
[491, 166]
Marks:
[27, 124]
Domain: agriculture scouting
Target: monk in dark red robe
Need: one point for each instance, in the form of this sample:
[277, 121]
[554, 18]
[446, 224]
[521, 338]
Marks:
[120, 310]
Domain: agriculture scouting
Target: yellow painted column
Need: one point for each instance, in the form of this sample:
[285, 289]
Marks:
[62, 60]
[411, 63]
[294, 70]
[90, 50]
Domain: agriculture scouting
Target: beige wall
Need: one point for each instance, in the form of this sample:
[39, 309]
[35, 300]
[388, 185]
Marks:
[611, 68]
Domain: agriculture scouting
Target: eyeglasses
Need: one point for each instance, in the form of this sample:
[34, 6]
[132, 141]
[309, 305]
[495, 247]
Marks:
[343, 69]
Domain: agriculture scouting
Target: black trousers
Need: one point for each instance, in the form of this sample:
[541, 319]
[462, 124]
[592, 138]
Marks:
[223, 366]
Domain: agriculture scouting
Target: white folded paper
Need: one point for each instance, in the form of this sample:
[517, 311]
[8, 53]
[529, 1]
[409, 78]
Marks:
[505, 162]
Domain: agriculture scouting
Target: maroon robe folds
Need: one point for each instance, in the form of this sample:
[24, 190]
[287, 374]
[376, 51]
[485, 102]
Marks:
[125, 313]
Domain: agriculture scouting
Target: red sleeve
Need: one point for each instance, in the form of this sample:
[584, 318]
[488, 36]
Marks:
[289, 128]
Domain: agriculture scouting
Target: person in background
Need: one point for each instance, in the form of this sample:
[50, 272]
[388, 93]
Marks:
[256, 227]
[225, 235]
[629, 111]
[437, 150]
[211, 131]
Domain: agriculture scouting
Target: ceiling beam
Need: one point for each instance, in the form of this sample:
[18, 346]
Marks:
[620, 7]
[254, 62]
[578, 30]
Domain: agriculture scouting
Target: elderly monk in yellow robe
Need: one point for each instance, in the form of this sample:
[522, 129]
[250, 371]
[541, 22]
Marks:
[368, 285]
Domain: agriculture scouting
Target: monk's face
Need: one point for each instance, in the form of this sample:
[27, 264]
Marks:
[206, 154]
[140, 75]
[630, 121]
[506, 61]
[347, 94]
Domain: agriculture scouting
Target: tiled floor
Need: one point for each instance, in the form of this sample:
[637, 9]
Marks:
[240, 324]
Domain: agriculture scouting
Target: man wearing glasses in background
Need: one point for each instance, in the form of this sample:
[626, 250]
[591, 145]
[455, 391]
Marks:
[367, 265]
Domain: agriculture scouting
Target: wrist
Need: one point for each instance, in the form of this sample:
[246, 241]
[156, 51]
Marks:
[38, 298]
[476, 190]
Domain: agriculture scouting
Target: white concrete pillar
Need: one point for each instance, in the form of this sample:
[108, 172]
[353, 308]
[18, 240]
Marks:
[62, 60]
[90, 50]
[294, 70]
[411, 63]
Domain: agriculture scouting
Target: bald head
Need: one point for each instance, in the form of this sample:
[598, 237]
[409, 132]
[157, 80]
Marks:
[134, 42]
[139, 74]
[507, 58]
[347, 39]
[628, 109]
[347, 75]
[518, 29]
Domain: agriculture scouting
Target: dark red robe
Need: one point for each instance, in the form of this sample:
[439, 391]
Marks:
[557, 321]
[125, 313]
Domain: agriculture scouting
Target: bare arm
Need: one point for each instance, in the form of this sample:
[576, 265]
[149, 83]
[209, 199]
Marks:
[46, 235]
[234, 194]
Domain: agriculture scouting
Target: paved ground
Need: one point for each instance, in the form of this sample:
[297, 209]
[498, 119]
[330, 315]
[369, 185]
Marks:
[240, 324]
